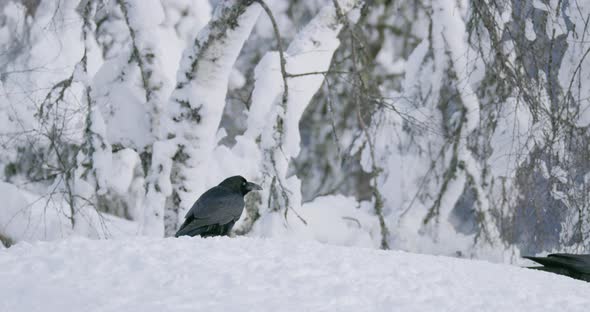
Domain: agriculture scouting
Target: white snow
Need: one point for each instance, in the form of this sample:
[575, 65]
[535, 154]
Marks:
[539, 5]
[334, 219]
[529, 30]
[411, 147]
[246, 274]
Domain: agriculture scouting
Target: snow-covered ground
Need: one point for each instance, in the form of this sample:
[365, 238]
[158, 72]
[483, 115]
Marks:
[248, 274]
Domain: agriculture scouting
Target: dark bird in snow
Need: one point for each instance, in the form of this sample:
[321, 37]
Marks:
[216, 211]
[574, 266]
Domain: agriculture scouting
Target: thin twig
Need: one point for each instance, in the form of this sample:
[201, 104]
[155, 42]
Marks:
[283, 61]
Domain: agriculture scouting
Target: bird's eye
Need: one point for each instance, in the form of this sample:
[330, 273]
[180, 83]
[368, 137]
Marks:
[244, 183]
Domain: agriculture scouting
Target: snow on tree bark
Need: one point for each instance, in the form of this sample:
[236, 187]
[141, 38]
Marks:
[95, 156]
[143, 19]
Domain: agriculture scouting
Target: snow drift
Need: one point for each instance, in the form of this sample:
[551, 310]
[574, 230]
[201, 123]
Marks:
[247, 274]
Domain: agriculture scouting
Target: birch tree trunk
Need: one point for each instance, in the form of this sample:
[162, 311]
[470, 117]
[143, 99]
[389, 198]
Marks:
[195, 110]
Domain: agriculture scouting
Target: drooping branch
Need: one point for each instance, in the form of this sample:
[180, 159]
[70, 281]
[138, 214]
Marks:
[284, 103]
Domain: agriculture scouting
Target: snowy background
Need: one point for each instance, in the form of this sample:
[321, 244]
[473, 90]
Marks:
[249, 274]
[446, 127]
[455, 128]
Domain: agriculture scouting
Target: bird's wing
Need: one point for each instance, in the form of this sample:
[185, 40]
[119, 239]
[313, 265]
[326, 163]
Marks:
[218, 205]
[578, 263]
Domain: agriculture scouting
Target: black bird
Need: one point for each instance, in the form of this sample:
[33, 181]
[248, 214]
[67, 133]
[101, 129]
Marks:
[574, 266]
[216, 211]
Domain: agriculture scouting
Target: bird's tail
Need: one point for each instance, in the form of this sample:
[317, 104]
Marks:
[188, 229]
[560, 261]
[575, 266]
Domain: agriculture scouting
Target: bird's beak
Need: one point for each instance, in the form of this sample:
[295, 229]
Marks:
[253, 187]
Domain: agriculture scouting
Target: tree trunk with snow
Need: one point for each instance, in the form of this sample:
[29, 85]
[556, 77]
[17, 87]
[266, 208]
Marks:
[143, 19]
[195, 111]
[95, 156]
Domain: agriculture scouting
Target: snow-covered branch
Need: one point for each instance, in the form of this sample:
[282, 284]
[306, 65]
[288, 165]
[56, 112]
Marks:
[279, 100]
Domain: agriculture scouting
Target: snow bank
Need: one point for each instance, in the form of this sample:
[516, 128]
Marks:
[245, 274]
[333, 219]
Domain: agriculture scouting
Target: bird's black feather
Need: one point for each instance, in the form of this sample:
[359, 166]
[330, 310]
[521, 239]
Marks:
[217, 210]
[575, 266]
